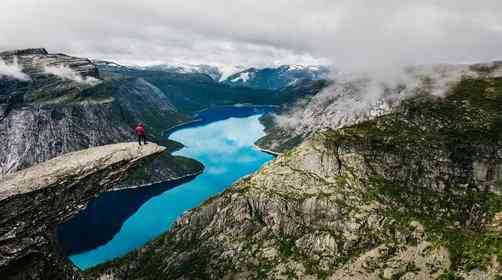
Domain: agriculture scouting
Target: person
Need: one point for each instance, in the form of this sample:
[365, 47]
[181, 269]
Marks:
[140, 132]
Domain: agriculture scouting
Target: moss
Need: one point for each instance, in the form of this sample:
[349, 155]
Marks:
[464, 127]
[263, 269]
[449, 276]
[468, 248]
[287, 248]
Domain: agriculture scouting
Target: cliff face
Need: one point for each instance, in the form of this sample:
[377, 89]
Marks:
[33, 201]
[54, 112]
[414, 194]
[351, 99]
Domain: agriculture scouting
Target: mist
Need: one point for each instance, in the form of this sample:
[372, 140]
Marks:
[359, 96]
[65, 72]
[12, 70]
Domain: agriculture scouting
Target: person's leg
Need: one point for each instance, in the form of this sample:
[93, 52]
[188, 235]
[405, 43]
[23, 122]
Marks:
[139, 140]
[144, 139]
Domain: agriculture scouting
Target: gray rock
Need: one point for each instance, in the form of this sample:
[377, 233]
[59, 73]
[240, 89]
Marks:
[33, 201]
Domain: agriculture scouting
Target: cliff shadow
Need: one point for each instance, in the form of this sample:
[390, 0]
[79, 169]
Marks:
[103, 217]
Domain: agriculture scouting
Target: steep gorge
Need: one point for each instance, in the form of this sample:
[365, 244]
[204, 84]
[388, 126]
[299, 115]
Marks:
[413, 194]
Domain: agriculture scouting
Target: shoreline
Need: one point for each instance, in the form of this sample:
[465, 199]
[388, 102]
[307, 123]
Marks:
[178, 126]
[195, 174]
[276, 154]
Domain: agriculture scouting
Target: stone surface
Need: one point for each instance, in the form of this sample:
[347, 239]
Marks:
[33, 201]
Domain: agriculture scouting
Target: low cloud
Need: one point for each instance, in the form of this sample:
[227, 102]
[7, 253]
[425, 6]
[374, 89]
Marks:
[12, 70]
[359, 96]
[65, 72]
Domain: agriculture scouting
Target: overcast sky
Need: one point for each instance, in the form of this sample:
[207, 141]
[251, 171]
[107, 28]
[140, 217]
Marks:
[352, 33]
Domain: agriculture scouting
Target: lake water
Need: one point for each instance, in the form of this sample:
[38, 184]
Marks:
[118, 222]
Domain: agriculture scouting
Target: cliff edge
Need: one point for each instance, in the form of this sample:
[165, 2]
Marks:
[35, 200]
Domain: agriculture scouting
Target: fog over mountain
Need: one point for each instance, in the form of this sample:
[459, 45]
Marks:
[348, 34]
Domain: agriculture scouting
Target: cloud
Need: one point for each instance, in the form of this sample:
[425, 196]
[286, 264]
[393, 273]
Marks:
[350, 34]
[359, 96]
[12, 70]
[65, 72]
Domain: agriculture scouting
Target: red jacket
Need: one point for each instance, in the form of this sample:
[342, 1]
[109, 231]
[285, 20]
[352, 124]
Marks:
[140, 130]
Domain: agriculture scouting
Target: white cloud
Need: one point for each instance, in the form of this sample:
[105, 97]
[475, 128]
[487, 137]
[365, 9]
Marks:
[347, 33]
[66, 72]
[12, 70]
[359, 96]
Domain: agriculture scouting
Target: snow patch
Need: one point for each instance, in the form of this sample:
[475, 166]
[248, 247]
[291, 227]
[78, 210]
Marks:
[243, 77]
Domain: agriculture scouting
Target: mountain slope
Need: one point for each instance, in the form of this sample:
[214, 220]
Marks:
[276, 78]
[56, 112]
[211, 71]
[355, 98]
[413, 194]
[191, 92]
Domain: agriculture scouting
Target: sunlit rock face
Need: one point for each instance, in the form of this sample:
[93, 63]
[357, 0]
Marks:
[413, 194]
[33, 201]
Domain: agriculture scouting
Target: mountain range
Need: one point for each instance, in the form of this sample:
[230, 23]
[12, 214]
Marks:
[411, 192]
[374, 179]
[277, 78]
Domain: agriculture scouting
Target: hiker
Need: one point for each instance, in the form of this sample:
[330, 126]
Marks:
[140, 131]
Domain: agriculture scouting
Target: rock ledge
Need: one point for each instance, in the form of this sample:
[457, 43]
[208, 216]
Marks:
[76, 164]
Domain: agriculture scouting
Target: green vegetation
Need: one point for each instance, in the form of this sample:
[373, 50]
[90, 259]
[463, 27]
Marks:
[427, 150]
[449, 276]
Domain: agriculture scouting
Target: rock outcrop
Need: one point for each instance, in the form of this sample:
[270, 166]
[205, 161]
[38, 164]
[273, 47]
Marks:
[414, 194]
[35, 200]
[55, 113]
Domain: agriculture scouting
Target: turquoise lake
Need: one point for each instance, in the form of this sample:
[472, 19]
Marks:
[121, 221]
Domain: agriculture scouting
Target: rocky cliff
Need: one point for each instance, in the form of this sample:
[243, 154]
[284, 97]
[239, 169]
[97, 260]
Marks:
[413, 194]
[354, 98]
[64, 106]
[35, 200]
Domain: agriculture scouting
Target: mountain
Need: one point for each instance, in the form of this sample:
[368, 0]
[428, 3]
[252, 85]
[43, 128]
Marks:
[412, 193]
[192, 92]
[211, 71]
[356, 98]
[276, 78]
[64, 105]
[35, 200]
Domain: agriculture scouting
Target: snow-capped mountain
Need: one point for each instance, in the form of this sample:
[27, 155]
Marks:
[212, 71]
[276, 78]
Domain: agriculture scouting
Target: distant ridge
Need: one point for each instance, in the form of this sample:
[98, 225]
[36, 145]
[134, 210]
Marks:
[31, 51]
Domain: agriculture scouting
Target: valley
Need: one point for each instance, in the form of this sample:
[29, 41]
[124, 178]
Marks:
[402, 183]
